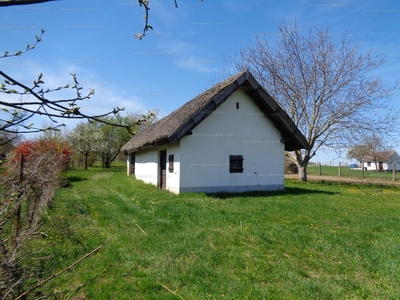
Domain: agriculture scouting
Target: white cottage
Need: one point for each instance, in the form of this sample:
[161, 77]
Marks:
[381, 161]
[230, 138]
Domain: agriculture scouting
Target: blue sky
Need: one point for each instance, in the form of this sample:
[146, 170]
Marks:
[186, 52]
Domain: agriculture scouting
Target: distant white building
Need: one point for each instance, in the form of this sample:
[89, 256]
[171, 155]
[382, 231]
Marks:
[231, 138]
[381, 161]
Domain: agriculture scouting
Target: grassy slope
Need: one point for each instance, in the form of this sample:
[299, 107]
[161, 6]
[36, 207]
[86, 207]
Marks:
[312, 241]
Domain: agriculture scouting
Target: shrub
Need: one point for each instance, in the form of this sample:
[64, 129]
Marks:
[33, 149]
[24, 192]
[291, 168]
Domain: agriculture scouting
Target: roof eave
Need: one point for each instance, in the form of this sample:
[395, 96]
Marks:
[207, 109]
[291, 135]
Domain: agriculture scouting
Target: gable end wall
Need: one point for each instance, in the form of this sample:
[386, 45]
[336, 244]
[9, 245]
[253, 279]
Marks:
[231, 131]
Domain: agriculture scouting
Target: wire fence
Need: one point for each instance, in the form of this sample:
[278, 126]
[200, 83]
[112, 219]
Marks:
[345, 171]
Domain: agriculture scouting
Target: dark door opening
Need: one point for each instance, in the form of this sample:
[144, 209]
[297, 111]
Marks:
[132, 164]
[162, 170]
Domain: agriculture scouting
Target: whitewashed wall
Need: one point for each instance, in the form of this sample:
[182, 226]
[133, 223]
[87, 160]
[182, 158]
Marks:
[128, 162]
[229, 131]
[375, 166]
[173, 179]
[146, 166]
[386, 166]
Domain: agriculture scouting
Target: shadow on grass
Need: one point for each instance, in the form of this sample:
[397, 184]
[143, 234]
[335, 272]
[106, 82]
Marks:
[112, 168]
[288, 191]
[67, 181]
[75, 178]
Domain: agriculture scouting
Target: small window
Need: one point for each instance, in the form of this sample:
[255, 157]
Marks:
[369, 164]
[171, 163]
[237, 105]
[235, 163]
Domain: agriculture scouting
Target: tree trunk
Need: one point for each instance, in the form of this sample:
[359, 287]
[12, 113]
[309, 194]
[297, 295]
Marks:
[86, 162]
[301, 163]
[107, 164]
[302, 166]
[302, 173]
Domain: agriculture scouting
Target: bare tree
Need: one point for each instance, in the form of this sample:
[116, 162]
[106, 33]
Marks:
[7, 140]
[373, 148]
[358, 152]
[326, 87]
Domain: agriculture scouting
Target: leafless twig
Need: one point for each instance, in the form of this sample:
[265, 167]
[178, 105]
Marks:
[169, 290]
[87, 282]
[64, 270]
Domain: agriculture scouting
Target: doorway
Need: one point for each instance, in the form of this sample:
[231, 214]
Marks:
[162, 170]
[132, 160]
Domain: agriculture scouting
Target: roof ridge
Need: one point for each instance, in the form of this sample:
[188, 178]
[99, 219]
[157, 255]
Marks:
[177, 124]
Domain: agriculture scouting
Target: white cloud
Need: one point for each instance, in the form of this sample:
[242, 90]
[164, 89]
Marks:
[193, 58]
[197, 64]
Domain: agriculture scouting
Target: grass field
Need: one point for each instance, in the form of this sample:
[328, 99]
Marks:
[353, 173]
[313, 241]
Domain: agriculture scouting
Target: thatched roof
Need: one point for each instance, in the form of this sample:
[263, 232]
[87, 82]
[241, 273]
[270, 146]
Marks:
[181, 121]
[380, 156]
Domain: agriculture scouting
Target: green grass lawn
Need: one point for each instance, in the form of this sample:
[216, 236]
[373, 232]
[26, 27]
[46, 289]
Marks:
[312, 241]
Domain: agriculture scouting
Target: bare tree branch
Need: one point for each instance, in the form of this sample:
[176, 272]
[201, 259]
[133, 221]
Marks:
[21, 2]
[325, 85]
[19, 112]
[145, 5]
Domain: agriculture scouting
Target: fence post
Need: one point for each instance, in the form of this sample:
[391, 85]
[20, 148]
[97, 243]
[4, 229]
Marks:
[394, 171]
[339, 170]
[319, 166]
[362, 168]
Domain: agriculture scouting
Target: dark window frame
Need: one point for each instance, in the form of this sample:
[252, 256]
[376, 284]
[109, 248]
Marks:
[236, 164]
[171, 163]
